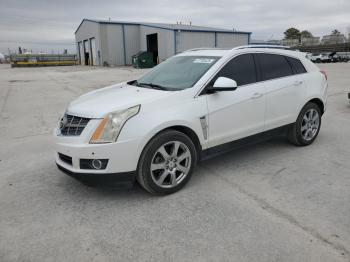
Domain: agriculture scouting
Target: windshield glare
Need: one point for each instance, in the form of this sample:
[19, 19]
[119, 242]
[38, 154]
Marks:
[179, 72]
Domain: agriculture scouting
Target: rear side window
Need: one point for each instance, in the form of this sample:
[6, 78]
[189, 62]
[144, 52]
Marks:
[241, 69]
[273, 66]
[297, 66]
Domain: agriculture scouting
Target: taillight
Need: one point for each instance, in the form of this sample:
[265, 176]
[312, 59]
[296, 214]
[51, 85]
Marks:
[325, 74]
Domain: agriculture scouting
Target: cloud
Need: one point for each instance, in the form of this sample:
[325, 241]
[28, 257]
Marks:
[50, 24]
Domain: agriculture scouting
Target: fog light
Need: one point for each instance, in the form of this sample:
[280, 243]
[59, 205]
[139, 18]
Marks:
[97, 164]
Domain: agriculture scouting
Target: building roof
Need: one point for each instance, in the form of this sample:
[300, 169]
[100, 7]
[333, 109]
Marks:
[173, 27]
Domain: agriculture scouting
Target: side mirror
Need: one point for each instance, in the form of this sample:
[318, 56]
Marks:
[223, 84]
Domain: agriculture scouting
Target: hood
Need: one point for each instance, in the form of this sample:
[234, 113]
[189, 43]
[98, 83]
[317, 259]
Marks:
[99, 102]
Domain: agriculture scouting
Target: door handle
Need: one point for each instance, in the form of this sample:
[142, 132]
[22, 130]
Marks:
[257, 95]
[297, 83]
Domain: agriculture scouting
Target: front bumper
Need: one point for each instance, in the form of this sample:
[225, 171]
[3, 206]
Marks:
[126, 179]
[122, 158]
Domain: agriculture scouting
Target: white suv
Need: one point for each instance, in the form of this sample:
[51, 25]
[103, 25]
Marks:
[191, 106]
[320, 58]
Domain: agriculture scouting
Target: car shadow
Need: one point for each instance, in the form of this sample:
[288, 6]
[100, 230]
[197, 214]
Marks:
[230, 159]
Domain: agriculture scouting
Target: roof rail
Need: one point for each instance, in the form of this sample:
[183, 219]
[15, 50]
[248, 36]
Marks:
[263, 46]
[205, 48]
[240, 47]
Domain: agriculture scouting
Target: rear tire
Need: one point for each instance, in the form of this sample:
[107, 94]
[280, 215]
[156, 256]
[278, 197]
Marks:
[166, 163]
[305, 130]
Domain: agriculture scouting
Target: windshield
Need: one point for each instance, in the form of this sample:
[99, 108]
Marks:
[177, 73]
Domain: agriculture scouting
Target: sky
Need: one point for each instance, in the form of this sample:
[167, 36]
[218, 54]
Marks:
[49, 25]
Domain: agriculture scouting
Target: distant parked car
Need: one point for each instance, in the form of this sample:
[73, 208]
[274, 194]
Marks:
[2, 58]
[320, 58]
[316, 58]
[335, 58]
[308, 55]
[343, 58]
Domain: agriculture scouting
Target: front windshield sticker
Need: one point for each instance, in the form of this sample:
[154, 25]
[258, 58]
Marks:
[203, 61]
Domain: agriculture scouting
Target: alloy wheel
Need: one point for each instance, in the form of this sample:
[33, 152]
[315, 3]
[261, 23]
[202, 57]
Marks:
[170, 164]
[310, 124]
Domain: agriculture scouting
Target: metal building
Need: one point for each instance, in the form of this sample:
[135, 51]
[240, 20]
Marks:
[114, 42]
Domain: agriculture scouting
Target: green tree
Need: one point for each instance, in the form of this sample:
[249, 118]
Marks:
[305, 34]
[292, 33]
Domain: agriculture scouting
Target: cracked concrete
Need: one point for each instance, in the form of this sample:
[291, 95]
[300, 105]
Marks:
[267, 202]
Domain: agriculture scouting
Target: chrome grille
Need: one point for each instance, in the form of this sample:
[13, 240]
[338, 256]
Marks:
[72, 125]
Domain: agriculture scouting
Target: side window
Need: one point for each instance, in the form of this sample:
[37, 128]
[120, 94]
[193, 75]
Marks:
[273, 66]
[297, 66]
[241, 69]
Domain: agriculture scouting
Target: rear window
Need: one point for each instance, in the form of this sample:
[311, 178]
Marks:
[273, 66]
[297, 66]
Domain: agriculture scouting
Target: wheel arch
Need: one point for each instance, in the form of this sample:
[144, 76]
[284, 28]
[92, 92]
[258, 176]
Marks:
[188, 131]
[318, 102]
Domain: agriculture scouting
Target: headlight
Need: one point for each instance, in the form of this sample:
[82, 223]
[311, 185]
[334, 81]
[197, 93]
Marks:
[111, 125]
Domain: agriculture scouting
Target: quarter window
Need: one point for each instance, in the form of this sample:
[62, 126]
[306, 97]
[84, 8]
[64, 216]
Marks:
[241, 69]
[297, 66]
[273, 66]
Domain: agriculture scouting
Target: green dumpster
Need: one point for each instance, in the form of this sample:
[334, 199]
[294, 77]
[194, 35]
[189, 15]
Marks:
[143, 59]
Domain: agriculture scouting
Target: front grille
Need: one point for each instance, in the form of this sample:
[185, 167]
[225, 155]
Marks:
[66, 159]
[73, 125]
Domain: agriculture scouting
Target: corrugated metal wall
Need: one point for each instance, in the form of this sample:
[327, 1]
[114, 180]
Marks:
[132, 41]
[227, 40]
[112, 44]
[86, 31]
[165, 41]
[188, 40]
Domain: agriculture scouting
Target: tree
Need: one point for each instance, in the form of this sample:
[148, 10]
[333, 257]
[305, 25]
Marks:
[335, 32]
[292, 33]
[305, 34]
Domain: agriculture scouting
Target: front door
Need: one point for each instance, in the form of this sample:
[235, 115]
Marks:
[240, 113]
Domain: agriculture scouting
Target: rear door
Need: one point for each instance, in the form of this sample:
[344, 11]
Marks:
[284, 89]
[240, 113]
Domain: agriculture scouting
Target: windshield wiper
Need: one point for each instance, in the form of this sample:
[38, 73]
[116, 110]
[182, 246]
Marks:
[154, 86]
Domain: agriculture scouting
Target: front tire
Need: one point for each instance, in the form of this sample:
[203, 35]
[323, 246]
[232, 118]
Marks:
[305, 130]
[166, 163]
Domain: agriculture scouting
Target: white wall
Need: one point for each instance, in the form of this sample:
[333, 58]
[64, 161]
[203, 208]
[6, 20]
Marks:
[189, 40]
[226, 40]
[112, 44]
[132, 41]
